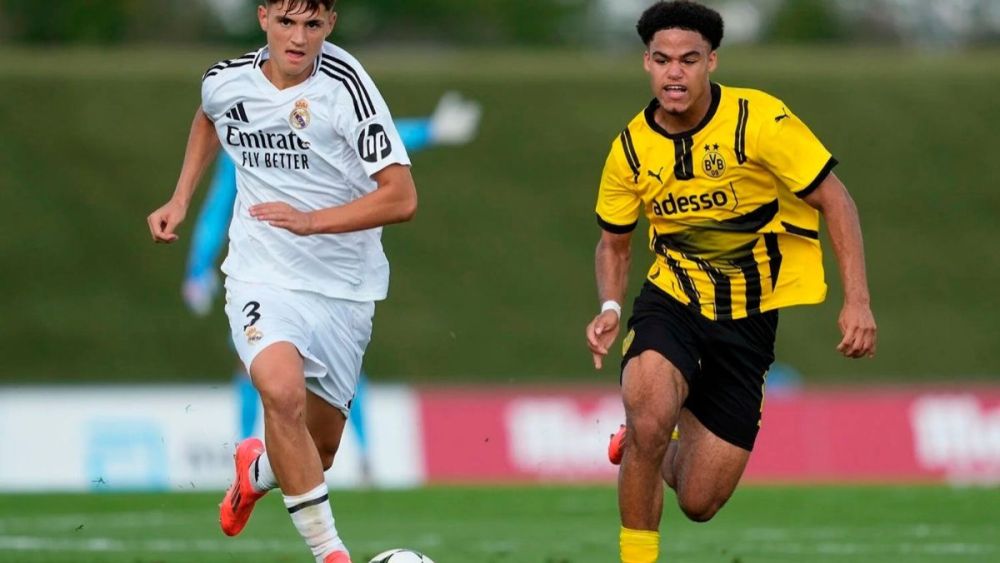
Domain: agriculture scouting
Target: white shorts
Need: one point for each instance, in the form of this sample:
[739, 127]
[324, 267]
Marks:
[330, 334]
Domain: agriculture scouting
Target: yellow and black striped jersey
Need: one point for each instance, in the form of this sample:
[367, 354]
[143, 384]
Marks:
[731, 234]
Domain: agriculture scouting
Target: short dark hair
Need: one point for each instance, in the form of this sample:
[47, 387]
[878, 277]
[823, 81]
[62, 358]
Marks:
[305, 6]
[681, 14]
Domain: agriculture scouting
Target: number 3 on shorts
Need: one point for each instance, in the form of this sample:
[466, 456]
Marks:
[252, 314]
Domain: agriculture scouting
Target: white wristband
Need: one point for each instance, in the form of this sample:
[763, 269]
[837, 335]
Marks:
[611, 305]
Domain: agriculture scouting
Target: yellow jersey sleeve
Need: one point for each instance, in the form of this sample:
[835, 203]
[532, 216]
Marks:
[618, 201]
[792, 152]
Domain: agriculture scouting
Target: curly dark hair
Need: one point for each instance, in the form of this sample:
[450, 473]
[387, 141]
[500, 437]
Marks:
[681, 14]
[305, 6]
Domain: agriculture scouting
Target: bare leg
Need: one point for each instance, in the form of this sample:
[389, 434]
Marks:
[278, 375]
[667, 467]
[326, 426]
[703, 468]
[653, 391]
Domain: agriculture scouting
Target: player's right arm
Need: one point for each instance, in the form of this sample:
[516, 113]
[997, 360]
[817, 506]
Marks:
[618, 206]
[202, 146]
[611, 265]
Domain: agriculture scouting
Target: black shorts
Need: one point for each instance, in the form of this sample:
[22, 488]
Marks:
[724, 362]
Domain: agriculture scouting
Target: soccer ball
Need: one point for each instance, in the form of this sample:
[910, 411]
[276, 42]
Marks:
[401, 556]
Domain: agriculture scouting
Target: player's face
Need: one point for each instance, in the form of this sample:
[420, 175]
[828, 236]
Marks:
[294, 39]
[679, 62]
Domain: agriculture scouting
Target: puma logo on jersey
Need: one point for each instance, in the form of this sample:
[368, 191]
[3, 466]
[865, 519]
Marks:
[238, 113]
[782, 116]
[656, 174]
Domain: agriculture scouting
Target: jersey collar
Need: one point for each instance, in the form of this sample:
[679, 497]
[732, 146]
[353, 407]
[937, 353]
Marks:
[713, 106]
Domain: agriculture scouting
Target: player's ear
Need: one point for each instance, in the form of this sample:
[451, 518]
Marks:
[645, 59]
[333, 21]
[713, 60]
[262, 17]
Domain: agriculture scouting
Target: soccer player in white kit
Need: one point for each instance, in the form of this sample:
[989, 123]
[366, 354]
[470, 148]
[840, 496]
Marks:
[320, 169]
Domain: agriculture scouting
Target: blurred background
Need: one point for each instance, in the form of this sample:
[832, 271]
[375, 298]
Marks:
[493, 282]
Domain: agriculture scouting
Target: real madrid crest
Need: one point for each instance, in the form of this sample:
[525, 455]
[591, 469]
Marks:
[713, 164]
[299, 118]
[253, 334]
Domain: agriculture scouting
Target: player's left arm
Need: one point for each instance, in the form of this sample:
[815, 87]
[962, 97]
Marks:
[393, 201]
[857, 323]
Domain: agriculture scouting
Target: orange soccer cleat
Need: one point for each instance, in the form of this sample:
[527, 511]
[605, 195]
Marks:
[238, 503]
[337, 557]
[616, 448]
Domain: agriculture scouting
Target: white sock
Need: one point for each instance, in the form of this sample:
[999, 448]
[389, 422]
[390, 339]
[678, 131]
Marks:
[313, 518]
[262, 477]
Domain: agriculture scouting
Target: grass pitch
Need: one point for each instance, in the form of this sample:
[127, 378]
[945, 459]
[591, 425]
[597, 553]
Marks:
[517, 525]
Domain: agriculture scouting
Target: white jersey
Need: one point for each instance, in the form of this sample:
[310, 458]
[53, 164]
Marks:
[314, 145]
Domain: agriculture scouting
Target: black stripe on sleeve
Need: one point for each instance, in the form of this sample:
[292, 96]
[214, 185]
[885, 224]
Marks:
[229, 63]
[630, 147]
[741, 131]
[308, 503]
[630, 156]
[350, 84]
[616, 229]
[354, 97]
[352, 74]
[217, 66]
[796, 230]
[827, 168]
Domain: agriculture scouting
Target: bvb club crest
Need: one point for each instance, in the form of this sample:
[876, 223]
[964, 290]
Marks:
[299, 118]
[713, 163]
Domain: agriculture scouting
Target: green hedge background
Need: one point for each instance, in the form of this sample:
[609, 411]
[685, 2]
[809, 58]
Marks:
[493, 281]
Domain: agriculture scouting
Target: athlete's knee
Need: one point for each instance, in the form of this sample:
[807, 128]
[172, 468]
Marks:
[700, 507]
[284, 402]
[648, 434]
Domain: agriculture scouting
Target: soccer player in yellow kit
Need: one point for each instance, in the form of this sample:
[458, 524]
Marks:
[732, 184]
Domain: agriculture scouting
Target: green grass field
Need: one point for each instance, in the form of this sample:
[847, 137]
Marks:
[823, 524]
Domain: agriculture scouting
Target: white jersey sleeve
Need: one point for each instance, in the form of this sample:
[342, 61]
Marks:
[361, 115]
[211, 82]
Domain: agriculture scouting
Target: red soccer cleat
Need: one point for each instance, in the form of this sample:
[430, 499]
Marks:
[616, 448]
[238, 503]
[337, 557]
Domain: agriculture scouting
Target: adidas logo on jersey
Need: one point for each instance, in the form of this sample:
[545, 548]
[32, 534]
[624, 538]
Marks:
[238, 113]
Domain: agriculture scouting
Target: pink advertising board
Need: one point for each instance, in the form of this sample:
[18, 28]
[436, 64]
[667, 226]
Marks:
[843, 435]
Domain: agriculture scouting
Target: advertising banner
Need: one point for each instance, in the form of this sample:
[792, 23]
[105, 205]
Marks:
[182, 437]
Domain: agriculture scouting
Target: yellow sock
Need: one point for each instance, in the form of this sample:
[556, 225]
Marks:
[639, 546]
